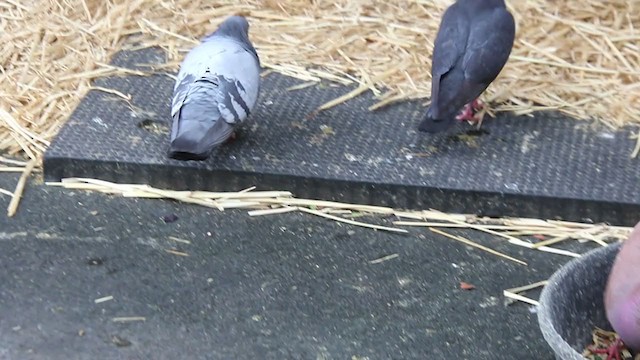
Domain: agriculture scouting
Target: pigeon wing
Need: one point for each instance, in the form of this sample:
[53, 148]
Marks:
[490, 42]
[230, 66]
[447, 51]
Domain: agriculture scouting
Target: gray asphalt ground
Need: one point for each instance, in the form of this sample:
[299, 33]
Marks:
[289, 286]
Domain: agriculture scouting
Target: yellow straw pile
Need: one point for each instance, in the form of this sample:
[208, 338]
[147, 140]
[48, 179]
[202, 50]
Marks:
[578, 57]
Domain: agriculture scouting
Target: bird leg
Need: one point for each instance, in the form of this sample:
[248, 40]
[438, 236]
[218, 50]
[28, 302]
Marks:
[468, 113]
[231, 138]
[472, 112]
[465, 114]
[477, 104]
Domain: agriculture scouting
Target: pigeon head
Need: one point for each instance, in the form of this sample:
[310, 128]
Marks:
[235, 26]
[500, 3]
[482, 4]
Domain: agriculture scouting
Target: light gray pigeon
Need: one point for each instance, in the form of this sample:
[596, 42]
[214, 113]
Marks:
[472, 46]
[217, 88]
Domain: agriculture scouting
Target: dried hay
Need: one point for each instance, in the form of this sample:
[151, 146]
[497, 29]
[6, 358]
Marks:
[579, 57]
[522, 232]
[517, 231]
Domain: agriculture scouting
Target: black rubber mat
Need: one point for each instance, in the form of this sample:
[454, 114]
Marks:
[542, 166]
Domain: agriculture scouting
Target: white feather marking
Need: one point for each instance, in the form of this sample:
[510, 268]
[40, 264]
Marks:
[224, 57]
[239, 110]
[227, 115]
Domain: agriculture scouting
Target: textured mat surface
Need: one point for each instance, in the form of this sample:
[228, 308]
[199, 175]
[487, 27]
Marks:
[525, 166]
[281, 287]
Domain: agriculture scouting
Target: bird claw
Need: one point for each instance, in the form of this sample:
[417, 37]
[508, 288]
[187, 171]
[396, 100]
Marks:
[465, 114]
[472, 113]
[477, 105]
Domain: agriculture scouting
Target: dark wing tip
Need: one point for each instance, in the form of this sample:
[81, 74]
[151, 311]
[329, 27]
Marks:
[188, 149]
[186, 156]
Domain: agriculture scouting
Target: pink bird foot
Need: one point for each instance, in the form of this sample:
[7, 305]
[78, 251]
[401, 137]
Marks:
[465, 114]
[469, 112]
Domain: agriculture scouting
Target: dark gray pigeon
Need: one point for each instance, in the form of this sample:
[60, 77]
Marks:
[472, 46]
[217, 88]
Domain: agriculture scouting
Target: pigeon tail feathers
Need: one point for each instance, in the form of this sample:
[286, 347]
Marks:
[199, 125]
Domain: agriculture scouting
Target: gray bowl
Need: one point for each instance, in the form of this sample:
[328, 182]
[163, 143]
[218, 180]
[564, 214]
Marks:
[572, 303]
